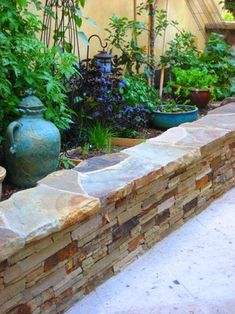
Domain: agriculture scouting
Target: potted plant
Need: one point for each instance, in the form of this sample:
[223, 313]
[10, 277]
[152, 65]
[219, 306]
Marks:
[171, 115]
[195, 84]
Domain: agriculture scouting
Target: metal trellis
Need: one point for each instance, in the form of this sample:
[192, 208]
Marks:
[59, 27]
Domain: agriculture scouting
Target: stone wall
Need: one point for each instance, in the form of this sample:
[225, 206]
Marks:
[79, 227]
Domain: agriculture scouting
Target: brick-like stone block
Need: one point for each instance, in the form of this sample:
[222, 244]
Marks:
[166, 204]
[191, 205]
[22, 309]
[10, 291]
[133, 244]
[202, 182]
[163, 217]
[47, 305]
[124, 262]
[28, 264]
[60, 256]
[128, 214]
[125, 228]
[64, 297]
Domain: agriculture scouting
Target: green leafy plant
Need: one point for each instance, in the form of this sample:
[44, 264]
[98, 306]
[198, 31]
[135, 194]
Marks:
[217, 59]
[26, 63]
[194, 78]
[85, 149]
[135, 91]
[100, 137]
[65, 163]
[228, 5]
[228, 17]
[185, 79]
[122, 35]
[158, 22]
[182, 51]
[175, 108]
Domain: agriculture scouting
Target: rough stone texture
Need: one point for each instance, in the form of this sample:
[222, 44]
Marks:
[189, 272]
[78, 227]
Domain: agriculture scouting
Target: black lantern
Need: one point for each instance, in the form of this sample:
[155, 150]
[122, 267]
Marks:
[103, 61]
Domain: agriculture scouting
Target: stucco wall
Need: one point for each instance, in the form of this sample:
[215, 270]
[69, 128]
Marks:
[102, 10]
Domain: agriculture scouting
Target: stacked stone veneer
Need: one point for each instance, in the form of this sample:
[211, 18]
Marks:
[78, 227]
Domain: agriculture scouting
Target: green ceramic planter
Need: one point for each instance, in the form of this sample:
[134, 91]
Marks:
[166, 120]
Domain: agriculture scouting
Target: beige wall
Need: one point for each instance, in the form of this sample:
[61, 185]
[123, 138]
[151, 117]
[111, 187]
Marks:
[178, 11]
[102, 10]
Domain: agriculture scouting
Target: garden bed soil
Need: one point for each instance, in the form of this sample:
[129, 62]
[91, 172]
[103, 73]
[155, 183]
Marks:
[118, 144]
[8, 189]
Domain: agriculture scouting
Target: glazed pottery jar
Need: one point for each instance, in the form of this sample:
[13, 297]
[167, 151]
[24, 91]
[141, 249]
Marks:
[200, 97]
[32, 145]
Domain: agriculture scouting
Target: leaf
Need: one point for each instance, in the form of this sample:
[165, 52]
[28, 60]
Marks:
[92, 22]
[83, 37]
[82, 2]
[78, 12]
[22, 3]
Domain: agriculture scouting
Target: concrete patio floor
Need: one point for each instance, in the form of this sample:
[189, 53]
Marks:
[191, 271]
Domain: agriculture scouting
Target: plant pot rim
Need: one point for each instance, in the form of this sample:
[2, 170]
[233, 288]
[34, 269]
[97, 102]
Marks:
[2, 174]
[200, 90]
[175, 113]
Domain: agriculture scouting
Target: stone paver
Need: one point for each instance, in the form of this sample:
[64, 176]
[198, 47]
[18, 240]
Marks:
[191, 271]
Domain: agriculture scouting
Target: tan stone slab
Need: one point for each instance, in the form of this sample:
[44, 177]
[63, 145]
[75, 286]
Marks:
[188, 136]
[35, 213]
[168, 156]
[40, 211]
[64, 180]
[146, 163]
[229, 108]
[10, 242]
[115, 182]
[101, 162]
[215, 121]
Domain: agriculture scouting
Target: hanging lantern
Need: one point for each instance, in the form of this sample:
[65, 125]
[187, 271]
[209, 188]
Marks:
[103, 61]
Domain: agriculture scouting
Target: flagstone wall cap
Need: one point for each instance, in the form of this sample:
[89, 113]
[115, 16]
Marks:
[68, 197]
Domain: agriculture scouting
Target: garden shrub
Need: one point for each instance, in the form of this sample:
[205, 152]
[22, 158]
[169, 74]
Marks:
[182, 51]
[217, 59]
[135, 90]
[192, 78]
[100, 99]
[26, 63]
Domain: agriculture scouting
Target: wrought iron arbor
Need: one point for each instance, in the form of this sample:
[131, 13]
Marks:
[59, 26]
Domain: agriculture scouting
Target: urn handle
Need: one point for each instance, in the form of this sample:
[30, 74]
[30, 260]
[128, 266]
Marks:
[10, 133]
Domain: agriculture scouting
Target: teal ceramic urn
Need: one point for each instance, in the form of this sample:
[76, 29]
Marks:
[32, 145]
